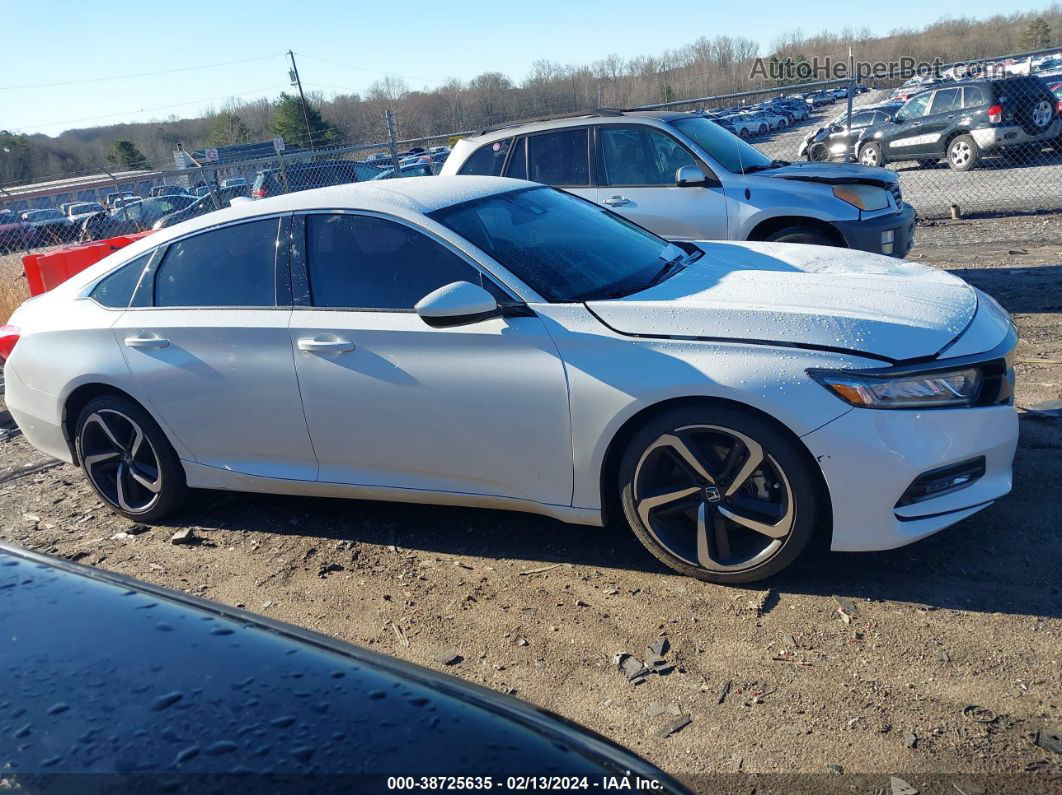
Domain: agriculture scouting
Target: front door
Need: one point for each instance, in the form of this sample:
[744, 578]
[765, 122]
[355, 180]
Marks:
[638, 165]
[392, 402]
[905, 138]
[208, 345]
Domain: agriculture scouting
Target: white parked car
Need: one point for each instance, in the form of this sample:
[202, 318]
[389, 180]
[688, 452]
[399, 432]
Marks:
[491, 342]
[743, 125]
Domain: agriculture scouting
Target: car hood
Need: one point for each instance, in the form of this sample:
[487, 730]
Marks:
[813, 296]
[833, 173]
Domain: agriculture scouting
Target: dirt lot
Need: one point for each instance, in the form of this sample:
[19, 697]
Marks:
[775, 679]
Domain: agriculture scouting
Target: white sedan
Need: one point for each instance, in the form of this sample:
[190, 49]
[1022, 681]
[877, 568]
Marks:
[487, 342]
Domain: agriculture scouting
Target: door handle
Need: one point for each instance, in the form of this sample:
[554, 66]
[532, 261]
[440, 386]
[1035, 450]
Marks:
[325, 346]
[146, 342]
[616, 201]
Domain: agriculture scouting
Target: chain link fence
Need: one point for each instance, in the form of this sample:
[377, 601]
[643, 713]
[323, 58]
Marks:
[991, 143]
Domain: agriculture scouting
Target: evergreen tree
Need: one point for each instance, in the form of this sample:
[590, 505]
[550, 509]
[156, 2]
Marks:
[1037, 35]
[290, 123]
[124, 155]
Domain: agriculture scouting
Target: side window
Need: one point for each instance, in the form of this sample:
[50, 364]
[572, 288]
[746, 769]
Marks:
[915, 107]
[861, 119]
[231, 266]
[640, 156]
[487, 161]
[973, 97]
[363, 262]
[945, 100]
[560, 158]
[517, 168]
[116, 289]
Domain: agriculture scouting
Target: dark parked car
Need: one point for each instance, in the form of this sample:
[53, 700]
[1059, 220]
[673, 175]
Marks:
[202, 206]
[410, 170]
[15, 234]
[168, 190]
[305, 176]
[832, 141]
[965, 120]
[79, 211]
[131, 217]
[51, 226]
[163, 692]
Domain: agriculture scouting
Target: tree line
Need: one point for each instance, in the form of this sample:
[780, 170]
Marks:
[707, 66]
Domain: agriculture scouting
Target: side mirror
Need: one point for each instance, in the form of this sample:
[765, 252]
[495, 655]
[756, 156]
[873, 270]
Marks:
[896, 118]
[456, 304]
[690, 177]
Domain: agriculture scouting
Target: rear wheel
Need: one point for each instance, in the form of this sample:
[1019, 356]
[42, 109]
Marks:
[801, 234]
[128, 460]
[718, 494]
[819, 153]
[963, 153]
[870, 154]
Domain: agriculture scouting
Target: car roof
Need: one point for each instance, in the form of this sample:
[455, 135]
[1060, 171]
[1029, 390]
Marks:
[406, 198]
[577, 120]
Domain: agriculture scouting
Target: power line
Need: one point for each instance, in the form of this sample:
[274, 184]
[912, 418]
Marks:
[140, 74]
[160, 107]
[367, 69]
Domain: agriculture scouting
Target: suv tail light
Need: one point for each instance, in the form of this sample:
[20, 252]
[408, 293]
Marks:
[8, 338]
[995, 114]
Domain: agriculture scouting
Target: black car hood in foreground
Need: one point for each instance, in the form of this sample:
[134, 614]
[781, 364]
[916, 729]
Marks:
[102, 674]
[834, 173]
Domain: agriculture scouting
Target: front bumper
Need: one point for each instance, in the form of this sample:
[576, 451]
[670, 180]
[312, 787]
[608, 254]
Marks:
[867, 234]
[869, 458]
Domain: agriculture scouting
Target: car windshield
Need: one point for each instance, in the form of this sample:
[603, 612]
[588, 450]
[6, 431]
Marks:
[565, 248]
[43, 215]
[724, 147]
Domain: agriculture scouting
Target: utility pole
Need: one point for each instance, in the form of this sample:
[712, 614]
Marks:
[295, 81]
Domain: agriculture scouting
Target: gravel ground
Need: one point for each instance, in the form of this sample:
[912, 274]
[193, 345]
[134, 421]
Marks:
[942, 657]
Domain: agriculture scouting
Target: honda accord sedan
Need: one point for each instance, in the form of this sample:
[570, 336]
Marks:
[489, 342]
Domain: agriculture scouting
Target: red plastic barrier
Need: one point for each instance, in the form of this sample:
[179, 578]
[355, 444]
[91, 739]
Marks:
[48, 270]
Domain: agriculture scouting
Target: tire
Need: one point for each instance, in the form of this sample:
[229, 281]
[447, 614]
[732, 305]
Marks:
[818, 153]
[931, 163]
[743, 133]
[763, 129]
[808, 235]
[963, 153]
[870, 154]
[118, 442]
[755, 465]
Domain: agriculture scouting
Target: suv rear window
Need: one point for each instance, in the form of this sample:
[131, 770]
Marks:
[973, 97]
[487, 161]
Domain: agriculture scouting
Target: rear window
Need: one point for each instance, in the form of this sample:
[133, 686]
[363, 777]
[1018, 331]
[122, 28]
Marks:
[973, 97]
[116, 290]
[487, 161]
[560, 158]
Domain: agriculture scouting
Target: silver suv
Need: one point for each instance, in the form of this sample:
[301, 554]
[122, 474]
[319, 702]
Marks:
[686, 178]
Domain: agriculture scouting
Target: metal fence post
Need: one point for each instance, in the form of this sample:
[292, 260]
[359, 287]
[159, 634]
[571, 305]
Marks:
[283, 169]
[392, 139]
[851, 96]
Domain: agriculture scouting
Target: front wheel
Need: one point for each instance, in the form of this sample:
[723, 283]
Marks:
[963, 153]
[128, 460]
[801, 234]
[718, 494]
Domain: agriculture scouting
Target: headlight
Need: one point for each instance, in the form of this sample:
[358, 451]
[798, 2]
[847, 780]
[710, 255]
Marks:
[865, 197]
[916, 390]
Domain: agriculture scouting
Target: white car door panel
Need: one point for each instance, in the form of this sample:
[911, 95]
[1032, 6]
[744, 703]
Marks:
[219, 374]
[392, 402]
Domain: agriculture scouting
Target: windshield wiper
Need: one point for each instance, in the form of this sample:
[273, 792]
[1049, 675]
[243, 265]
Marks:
[670, 268]
[772, 164]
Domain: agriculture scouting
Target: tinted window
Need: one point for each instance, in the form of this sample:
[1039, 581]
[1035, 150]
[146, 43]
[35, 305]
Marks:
[567, 249]
[517, 168]
[116, 290]
[640, 156]
[230, 266]
[560, 158]
[488, 160]
[915, 107]
[947, 99]
[861, 119]
[973, 97]
[362, 262]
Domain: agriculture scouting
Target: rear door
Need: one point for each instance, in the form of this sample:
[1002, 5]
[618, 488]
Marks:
[637, 166]
[561, 158]
[206, 340]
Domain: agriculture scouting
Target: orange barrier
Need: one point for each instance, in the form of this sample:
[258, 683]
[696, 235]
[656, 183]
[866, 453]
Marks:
[47, 270]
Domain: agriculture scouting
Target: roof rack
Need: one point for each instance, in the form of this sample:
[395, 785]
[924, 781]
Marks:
[583, 114]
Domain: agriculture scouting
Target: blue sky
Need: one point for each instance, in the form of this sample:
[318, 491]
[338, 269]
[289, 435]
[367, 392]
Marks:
[74, 42]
